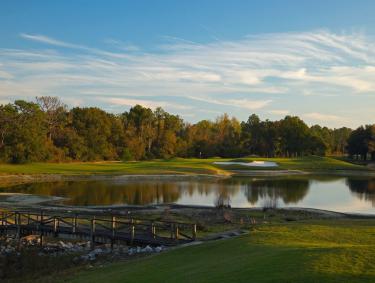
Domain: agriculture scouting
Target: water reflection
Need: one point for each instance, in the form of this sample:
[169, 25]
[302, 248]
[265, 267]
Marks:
[287, 190]
[363, 188]
[328, 192]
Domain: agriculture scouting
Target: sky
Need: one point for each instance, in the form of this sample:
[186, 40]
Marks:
[198, 59]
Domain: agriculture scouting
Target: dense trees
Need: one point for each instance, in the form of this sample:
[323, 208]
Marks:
[22, 132]
[48, 131]
[361, 143]
[151, 134]
[287, 137]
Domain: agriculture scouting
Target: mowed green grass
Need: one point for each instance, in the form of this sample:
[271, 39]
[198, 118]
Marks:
[179, 166]
[175, 166]
[310, 163]
[325, 251]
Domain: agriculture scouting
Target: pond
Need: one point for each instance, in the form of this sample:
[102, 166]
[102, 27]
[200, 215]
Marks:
[343, 194]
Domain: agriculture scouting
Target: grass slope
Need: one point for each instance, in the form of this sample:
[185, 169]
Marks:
[174, 166]
[325, 251]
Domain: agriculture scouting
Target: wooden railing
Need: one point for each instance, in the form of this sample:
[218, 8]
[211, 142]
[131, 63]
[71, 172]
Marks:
[102, 228]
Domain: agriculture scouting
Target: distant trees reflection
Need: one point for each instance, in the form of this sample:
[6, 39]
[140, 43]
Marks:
[141, 193]
[288, 190]
[255, 191]
[363, 188]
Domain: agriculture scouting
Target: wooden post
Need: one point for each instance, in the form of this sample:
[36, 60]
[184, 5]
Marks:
[172, 231]
[153, 230]
[2, 223]
[28, 218]
[92, 232]
[132, 234]
[113, 231]
[5, 222]
[176, 232]
[194, 232]
[41, 228]
[18, 225]
[17, 218]
[74, 229]
[55, 226]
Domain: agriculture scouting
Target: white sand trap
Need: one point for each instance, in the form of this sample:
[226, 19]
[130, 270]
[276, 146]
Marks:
[250, 164]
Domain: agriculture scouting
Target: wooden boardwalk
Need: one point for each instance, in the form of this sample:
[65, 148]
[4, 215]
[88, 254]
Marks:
[96, 229]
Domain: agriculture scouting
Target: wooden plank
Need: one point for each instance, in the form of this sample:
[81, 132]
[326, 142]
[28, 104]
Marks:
[133, 231]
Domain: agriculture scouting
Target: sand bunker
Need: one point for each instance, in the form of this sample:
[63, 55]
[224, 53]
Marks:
[250, 164]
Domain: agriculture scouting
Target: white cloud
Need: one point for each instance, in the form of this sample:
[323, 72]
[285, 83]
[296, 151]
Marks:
[279, 112]
[48, 40]
[251, 73]
[321, 116]
[241, 103]
[145, 103]
[247, 104]
[5, 75]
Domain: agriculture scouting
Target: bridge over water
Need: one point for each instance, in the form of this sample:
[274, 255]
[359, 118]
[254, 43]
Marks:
[98, 229]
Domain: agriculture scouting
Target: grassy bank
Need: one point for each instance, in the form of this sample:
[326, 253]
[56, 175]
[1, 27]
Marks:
[175, 166]
[325, 251]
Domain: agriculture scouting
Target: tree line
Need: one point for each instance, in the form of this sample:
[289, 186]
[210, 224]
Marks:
[46, 130]
[361, 143]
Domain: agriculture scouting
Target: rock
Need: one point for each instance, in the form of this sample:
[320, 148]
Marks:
[92, 257]
[132, 251]
[85, 257]
[158, 249]
[147, 249]
[97, 251]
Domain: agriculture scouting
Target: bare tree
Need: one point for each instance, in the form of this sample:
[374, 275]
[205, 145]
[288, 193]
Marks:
[54, 109]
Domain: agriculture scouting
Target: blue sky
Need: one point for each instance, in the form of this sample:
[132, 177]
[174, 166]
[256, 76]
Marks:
[314, 59]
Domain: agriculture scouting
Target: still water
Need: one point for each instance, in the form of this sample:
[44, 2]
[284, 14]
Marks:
[344, 194]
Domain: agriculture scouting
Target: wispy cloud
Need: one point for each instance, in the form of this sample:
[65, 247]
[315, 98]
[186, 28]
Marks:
[322, 117]
[241, 103]
[253, 73]
[248, 104]
[49, 40]
[279, 112]
[146, 103]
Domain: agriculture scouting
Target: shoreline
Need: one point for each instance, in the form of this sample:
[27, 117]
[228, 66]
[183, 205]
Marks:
[36, 202]
[18, 179]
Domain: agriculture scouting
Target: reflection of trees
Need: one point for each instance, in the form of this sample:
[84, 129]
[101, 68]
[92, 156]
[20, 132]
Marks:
[104, 193]
[289, 190]
[149, 192]
[363, 188]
